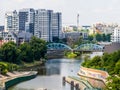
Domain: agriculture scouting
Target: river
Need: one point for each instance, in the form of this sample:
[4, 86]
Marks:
[50, 75]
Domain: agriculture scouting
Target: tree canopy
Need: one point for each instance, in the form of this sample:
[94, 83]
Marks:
[110, 63]
[27, 52]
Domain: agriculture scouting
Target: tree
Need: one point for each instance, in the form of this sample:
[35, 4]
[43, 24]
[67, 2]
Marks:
[3, 68]
[90, 37]
[113, 83]
[108, 37]
[117, 68]
[26, 52]
[10, 53]
[98, 37]
[38, 47]
[103, 37]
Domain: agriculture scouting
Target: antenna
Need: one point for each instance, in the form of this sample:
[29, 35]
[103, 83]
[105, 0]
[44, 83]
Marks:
[77, 21]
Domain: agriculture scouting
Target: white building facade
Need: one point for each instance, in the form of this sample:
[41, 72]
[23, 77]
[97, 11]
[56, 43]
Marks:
[12, 21]
[115, 37]
[47, 24]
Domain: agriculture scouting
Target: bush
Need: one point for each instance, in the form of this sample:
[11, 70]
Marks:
[4, 71]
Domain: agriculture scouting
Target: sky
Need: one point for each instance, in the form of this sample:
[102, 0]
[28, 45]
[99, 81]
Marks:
[90, 11]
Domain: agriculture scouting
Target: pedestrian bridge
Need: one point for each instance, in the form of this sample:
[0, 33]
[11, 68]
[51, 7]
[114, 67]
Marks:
[82, 47]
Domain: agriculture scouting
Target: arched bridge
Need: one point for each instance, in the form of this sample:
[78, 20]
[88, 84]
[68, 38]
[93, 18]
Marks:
[89, 47]
[83, 47]
[58, 46]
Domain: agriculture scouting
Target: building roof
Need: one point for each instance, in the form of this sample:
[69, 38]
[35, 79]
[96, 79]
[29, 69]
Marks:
[25, 35]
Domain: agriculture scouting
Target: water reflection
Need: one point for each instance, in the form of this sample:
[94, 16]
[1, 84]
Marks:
[50, 75]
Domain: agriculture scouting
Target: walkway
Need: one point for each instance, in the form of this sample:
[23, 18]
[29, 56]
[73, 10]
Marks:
[83, 85]
[13, 75]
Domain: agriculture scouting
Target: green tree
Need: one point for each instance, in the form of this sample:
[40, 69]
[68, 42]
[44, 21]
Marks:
[103, 37]
[117, 68]
[26, 53]
[39, 48]
[90, 37]
[10, 53]
[98, 37]
[3, 68]
[108, 37]
[113, 83]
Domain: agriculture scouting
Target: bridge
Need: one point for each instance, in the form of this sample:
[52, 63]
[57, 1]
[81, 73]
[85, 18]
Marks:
[58, 46]
[82, 47]
[56, 50]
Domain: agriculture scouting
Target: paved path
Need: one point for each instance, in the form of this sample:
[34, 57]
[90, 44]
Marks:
[82, 84]
[14, 75]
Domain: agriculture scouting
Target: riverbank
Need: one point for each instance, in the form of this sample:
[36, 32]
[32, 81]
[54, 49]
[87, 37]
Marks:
[31, 66]
[12, 78]
[93, 73]
[78, 83]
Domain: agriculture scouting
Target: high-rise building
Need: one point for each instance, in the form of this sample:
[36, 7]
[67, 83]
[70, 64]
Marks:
[56, 25]
[1, 28]
[47, 24]
[43, 25]
[11, 21]
[26, 20]
[115, 37]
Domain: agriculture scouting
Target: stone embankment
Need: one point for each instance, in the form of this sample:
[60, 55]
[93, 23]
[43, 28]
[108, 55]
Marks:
[93, 73]
[13, 78]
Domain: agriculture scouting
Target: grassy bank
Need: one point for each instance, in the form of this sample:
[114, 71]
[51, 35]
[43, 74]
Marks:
[75, 55]
[10, 67]
[31, 66]
[34, 63]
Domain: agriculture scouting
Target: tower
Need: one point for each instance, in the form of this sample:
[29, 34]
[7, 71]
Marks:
[77, 21]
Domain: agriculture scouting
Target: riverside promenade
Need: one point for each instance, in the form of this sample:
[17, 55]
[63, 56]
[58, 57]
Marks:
[93, 73]
[84, 84]
[8, 79]
[78, 83]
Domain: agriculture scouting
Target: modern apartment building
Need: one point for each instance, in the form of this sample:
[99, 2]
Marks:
[47, 24]
[44, 24]
[11, 21]
[1, 28]
[26, 20]
[115, 37]
[56, 25]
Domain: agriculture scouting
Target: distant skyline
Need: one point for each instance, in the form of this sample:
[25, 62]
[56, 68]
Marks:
[90, 11]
